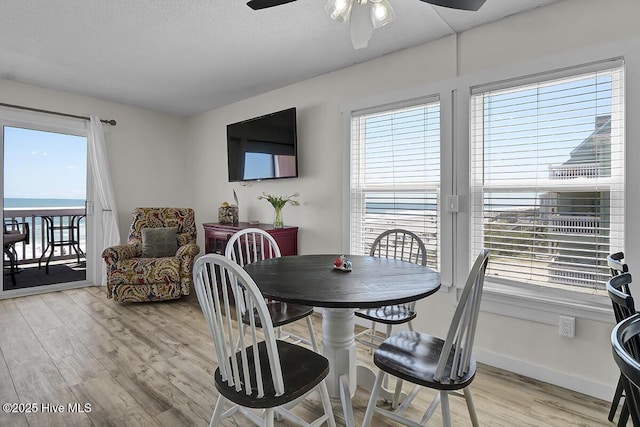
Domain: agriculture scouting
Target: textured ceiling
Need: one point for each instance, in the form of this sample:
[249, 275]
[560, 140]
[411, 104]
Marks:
[184, 57]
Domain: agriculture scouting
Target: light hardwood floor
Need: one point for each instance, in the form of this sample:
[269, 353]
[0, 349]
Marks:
[152, 365]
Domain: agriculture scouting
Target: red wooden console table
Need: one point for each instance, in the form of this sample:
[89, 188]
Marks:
[216, 236]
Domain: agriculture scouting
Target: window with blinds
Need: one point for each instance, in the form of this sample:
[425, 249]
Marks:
[395, 175]
[547, 172]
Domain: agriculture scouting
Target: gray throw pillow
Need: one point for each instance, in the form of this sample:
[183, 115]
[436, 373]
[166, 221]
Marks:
[159, 242]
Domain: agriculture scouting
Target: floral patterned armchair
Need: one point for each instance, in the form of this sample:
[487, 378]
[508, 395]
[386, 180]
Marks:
[136, 277]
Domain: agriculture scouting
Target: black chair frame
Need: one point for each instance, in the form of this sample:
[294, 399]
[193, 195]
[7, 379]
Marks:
[14, 232]
[623, 308]
[625, 342]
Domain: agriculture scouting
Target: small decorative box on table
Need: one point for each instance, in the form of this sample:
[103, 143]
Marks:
[228, 214]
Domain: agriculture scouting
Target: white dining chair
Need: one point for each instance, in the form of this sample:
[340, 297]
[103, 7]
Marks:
[253, 244]
[401, 245]
[262, 377]
[427, 361]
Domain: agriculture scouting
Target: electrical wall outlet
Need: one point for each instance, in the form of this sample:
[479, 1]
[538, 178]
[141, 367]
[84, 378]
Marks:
[567, 326]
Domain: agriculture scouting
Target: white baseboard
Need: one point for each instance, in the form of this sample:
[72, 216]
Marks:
[540, 373]
[34, 290]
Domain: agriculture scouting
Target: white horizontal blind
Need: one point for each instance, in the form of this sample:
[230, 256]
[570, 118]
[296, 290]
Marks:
[547, 170]
[395, 175]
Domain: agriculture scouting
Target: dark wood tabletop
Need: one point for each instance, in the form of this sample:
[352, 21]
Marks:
[373, 282]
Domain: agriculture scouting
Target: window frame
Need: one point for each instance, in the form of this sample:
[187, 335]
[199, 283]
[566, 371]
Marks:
[609, 185]
[519, 300]
[443, 92]
[358, 194]
[538, 305]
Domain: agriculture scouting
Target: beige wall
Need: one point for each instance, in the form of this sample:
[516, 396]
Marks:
[162, 160]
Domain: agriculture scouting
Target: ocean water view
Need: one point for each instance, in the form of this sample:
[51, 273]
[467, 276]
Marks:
[35, 207]
[18, 202]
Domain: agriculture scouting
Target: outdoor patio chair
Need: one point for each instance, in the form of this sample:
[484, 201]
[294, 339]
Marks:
[14, 232]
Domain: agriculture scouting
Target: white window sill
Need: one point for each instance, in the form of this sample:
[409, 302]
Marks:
[544, 305]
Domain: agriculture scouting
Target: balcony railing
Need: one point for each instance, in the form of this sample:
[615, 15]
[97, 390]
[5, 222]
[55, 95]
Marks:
[571, 171]
[575, 224]
[62, 219]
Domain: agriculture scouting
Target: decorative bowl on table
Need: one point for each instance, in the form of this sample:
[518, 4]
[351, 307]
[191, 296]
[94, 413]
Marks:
[341, 263]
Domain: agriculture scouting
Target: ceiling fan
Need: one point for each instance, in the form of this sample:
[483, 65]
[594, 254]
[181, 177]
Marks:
[366, 15]
[453, 4]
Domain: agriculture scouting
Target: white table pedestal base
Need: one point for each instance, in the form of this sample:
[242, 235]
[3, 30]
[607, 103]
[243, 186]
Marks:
[339, 347]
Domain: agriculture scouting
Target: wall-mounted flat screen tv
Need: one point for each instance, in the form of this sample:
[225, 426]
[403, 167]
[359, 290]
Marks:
[264, 147]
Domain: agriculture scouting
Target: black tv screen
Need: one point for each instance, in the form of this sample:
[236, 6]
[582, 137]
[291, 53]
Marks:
[263, 147]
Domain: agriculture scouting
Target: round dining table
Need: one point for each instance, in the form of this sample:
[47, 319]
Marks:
[372, 282]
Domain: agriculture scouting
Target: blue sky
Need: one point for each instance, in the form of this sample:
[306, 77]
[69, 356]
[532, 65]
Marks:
[44, 165]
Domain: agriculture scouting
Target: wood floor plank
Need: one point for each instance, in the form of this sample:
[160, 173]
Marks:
[152, 364]
[111, 404]
[169, 334]
[90, 334]
[149, 387]
[131, 323]
[36, 378]
[74, 361]
[9, 395]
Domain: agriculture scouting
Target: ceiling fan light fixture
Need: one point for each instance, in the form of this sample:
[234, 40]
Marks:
[339, 10]
[381, 13]
[360, 25]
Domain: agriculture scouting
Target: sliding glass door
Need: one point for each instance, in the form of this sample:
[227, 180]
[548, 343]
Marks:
[44, 206]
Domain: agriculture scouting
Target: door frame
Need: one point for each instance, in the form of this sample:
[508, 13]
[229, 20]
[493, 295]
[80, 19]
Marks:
[70, 126]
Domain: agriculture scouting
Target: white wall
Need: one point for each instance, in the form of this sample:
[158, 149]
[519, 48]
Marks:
[163, 160]
[570, 33]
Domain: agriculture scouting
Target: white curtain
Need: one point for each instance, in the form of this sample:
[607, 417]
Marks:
[105, 209]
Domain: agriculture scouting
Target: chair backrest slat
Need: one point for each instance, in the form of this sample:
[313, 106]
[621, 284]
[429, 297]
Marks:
[400, 244]
[250, 245]
[616, 264]
[474, 314]
[620, 295]
[462, 331]
[214, 277]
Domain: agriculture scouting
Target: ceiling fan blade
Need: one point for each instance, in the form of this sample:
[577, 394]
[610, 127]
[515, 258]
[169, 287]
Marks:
[263, 4]
[472, 5]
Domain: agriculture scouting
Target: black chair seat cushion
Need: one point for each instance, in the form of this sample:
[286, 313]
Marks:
[413, 357]
[310, 369]
[389, 314]
[281, 313]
